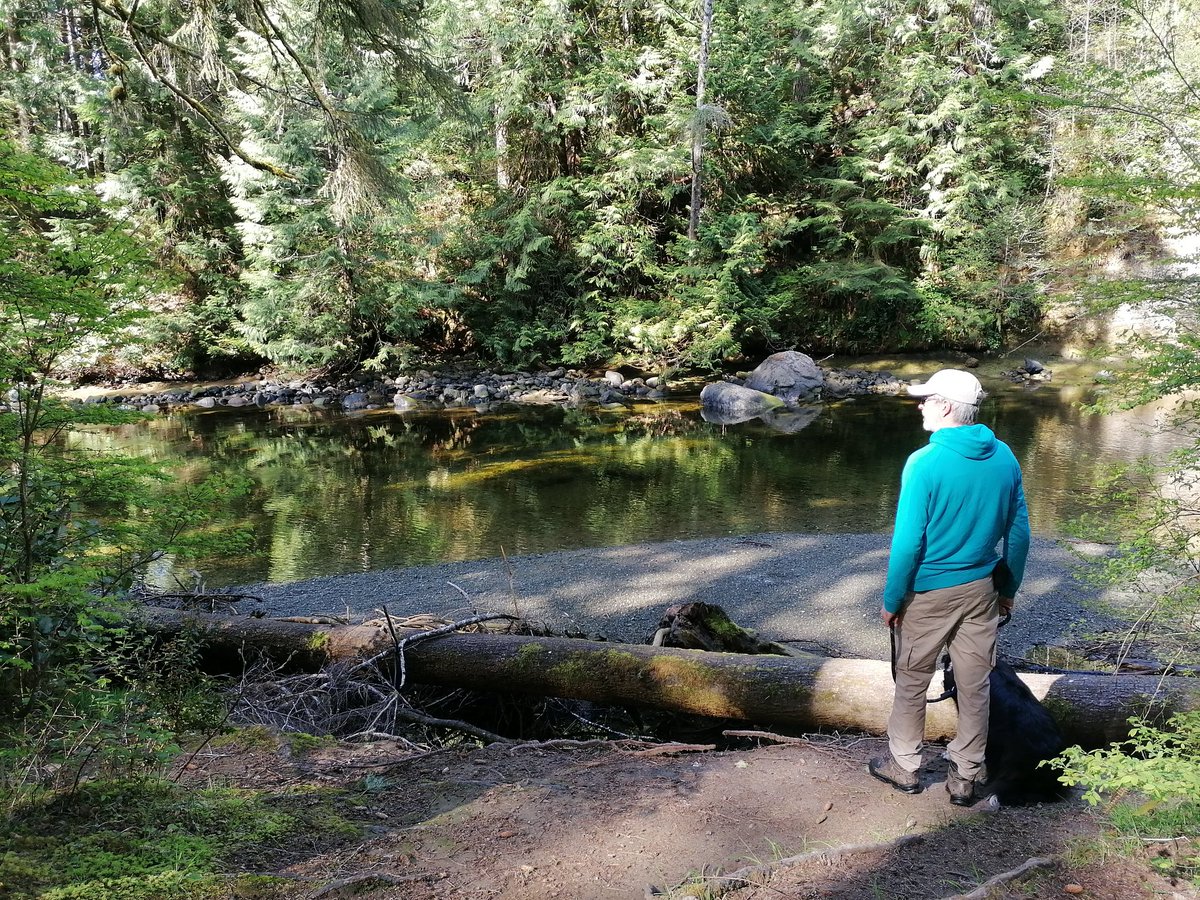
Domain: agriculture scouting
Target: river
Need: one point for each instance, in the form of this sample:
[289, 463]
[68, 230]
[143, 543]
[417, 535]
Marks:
[335, 493]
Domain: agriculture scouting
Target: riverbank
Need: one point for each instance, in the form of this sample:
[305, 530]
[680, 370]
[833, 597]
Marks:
[482, 390]
[821, 591]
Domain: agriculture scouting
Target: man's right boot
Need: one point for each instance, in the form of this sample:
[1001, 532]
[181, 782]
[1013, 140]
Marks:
[885, 768]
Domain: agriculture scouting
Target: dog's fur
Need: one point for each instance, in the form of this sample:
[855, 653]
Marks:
[1021, 733]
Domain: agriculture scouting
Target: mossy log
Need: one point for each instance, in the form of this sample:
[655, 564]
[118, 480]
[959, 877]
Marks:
[805, 691]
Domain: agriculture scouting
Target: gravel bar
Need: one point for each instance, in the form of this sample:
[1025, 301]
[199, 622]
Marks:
[821, 591]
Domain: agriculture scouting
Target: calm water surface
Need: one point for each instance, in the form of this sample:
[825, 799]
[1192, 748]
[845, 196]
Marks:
[334, 493]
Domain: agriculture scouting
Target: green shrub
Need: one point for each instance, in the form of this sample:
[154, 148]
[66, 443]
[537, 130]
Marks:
[1161, 763]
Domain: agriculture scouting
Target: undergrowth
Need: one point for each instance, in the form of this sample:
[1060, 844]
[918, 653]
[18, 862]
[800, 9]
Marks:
[152, 839]
[1148, 784]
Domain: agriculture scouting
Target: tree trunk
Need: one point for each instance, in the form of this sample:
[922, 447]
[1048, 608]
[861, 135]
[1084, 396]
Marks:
[503, 181]
[805, 692]
[706, 17]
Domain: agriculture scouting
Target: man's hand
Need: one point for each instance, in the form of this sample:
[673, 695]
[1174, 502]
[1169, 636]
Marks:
[1006, 605]
[890, 619]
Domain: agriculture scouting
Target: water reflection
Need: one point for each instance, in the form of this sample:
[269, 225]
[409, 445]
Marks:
[346, 493]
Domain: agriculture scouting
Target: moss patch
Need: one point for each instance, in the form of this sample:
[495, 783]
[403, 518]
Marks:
[151, 839]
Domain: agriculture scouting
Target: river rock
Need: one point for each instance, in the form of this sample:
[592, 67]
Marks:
[541, 397]
[206, 402]
[356, 400]
[790, 375]
[735, 401]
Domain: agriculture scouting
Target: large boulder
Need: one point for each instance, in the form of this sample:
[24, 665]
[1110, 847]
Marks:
[730, 403]
[791, 376]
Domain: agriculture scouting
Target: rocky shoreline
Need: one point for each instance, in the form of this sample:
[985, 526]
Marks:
[480, 390]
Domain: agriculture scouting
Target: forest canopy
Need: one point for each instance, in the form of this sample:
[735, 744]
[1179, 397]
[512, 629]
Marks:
[365, 183]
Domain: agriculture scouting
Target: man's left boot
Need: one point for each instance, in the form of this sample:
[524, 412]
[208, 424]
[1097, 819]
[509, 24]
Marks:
[962, 790]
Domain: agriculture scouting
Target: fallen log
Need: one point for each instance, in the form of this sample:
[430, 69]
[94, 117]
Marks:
[805, 691]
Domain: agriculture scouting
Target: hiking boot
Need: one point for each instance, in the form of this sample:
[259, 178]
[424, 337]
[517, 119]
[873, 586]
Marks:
[885, 768]
[962, 790]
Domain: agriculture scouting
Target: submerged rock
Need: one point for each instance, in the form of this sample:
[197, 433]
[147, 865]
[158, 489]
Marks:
[735, 402]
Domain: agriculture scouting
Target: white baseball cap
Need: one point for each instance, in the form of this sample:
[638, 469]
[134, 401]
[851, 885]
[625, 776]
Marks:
[953, 384]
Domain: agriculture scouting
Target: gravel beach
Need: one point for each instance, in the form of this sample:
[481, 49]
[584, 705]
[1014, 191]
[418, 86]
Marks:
[822, 591]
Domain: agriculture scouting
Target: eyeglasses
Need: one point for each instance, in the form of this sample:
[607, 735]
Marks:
[934, 398]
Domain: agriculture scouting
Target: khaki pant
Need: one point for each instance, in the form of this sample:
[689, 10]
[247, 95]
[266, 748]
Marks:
[965, 618]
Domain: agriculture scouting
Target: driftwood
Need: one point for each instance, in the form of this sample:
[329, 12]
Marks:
[805, 691]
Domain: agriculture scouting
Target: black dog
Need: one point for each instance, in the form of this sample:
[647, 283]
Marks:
[1021, 734]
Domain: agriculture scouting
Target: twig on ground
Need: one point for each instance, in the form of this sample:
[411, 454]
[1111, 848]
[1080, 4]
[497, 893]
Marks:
[837, 741]
[229, 708]
[356, 884]
[765, 736]
[985, 890]
[384, 763]
[567, 744]
[411, 715]
[666, 749]
[755, 876]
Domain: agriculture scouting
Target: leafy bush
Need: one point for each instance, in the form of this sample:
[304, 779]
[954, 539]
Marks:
[1152, 780]
[1160, 762]
[79, 694]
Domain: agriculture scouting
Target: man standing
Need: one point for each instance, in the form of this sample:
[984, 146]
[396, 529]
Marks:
[960, 498]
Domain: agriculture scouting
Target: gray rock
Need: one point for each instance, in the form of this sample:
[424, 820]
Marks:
[541, 397]
[206, 402]
[404, 403]
[733, 400]
[356, 400]
[789, 375]
[616, 379]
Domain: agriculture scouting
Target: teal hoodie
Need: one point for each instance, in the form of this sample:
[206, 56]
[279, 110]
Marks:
[960, 497]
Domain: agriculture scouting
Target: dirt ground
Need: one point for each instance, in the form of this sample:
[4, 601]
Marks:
[588, 820]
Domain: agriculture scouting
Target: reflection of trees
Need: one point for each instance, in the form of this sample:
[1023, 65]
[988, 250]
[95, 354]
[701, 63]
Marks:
[1064, 450]
[335, 493]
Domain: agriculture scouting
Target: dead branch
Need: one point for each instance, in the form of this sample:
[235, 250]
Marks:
[757, 875]
[765, 736]
[1022, 871]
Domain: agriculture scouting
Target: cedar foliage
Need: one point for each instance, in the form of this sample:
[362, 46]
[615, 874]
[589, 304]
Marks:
[361, 183]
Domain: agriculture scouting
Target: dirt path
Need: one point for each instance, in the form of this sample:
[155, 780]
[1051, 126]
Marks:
[605, 821]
